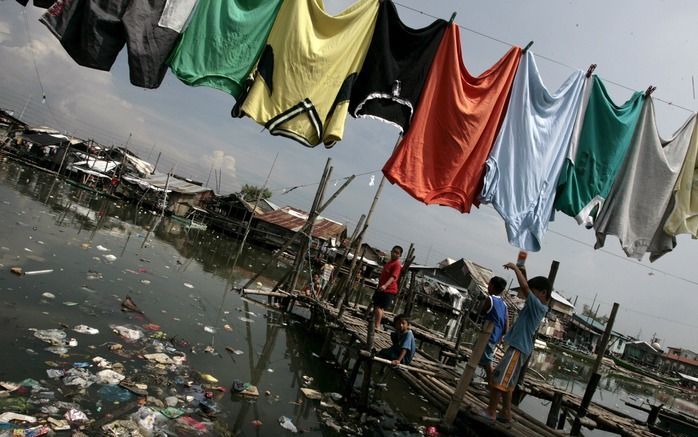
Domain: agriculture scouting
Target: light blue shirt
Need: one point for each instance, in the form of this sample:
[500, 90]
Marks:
[527, 157]
[521, 334]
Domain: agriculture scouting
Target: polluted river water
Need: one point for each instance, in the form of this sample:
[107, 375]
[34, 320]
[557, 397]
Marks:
[93, 252]
[99, 251]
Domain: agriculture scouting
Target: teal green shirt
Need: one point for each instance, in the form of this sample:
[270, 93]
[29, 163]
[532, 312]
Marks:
[588, 175]
[222, 43]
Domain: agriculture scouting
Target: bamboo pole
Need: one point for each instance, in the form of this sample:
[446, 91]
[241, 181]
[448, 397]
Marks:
[293, 238]
[333, 279]
[595, 376]
[312, 215]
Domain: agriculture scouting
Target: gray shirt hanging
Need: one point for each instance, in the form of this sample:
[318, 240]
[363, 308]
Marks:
[637, 205]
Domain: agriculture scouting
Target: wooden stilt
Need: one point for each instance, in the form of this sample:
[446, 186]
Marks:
[468, 374]
[595, 376]
[554, 410]
[352, 378]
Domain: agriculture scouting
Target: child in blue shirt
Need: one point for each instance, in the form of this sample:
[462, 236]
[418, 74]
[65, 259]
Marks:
[404, 347]
[537, 292]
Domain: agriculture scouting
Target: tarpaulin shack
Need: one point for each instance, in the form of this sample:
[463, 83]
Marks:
[275, 227]
[182, 194]
[454, 282]
[9, 123]
[44, 146]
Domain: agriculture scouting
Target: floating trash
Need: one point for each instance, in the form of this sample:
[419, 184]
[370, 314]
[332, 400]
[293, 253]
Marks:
[210, 329]
[286, 423]
[48, 295]
[84, 329]
[109, 257]
[188, 285]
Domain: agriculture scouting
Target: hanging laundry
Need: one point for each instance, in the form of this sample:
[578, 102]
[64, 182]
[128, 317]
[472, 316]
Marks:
[304, 77]
[527, 157]
[441, 158]
[637, 205]
[593, 160]
[396, 67]
[222, 43]
[683, 216]
[38, 3]
[93, 32]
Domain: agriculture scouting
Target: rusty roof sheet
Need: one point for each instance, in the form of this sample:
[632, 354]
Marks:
[293, 219]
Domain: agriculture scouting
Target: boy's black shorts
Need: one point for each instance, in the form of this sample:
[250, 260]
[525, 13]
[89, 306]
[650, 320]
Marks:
[383, 300]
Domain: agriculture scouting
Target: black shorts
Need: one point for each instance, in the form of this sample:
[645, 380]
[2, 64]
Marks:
[383, 300]
[93, 32]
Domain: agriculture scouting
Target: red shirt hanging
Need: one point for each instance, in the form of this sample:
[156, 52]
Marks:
[441, 158]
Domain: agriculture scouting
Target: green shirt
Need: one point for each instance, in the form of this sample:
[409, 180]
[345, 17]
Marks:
[589, 172]
[223, 42]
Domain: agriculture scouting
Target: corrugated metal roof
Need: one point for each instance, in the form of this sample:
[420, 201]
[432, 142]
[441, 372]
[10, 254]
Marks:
[481, 275]
[293, 220]
[158, 182]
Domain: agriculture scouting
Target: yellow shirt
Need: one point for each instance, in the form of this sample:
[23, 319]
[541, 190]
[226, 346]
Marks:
[303, 80]
[684, 216]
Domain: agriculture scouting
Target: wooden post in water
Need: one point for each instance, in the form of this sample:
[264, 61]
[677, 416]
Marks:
[359, 239]
[312, 216]
[595, 376]
[554, 409]
[305, 229]
[468, 373]
[329, 287]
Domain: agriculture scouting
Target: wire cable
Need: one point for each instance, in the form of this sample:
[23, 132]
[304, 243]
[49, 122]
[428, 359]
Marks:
[538, 55]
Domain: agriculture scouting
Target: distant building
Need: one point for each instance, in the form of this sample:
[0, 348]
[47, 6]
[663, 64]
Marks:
[643, 353]
[276, 227]
[681, 361]
[558, 318]
[584, 332]
[617, 343]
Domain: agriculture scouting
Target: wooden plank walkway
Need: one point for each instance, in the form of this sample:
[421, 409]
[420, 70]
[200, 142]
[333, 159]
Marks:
[437, 382]
[439, 390]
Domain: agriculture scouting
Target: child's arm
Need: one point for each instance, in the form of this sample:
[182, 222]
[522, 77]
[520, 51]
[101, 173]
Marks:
[388, 282]
[398, 360]
[523, 283]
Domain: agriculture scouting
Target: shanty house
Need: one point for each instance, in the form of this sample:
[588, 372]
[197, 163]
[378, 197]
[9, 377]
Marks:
[276, 227]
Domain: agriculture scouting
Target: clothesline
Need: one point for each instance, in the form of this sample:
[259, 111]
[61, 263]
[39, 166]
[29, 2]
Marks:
[525, 150]
[538, 55]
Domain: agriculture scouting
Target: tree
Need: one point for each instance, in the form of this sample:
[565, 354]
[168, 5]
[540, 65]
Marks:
[592, 314]
[251, 192]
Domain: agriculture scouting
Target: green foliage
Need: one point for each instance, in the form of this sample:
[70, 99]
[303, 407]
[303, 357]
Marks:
[251, 192]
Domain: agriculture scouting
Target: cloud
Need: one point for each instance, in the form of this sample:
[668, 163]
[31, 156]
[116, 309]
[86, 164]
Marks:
[219, 160]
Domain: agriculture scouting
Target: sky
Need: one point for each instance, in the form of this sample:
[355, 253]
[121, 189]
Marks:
[635, 43]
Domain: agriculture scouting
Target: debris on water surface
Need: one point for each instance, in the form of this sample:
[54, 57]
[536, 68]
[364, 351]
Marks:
[48, 295]
[109, 257]
[188, 285]
[84, 329]
[286, 423]
[38, 272]
[129, 305]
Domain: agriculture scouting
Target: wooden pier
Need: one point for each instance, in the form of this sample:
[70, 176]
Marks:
[436, 381]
